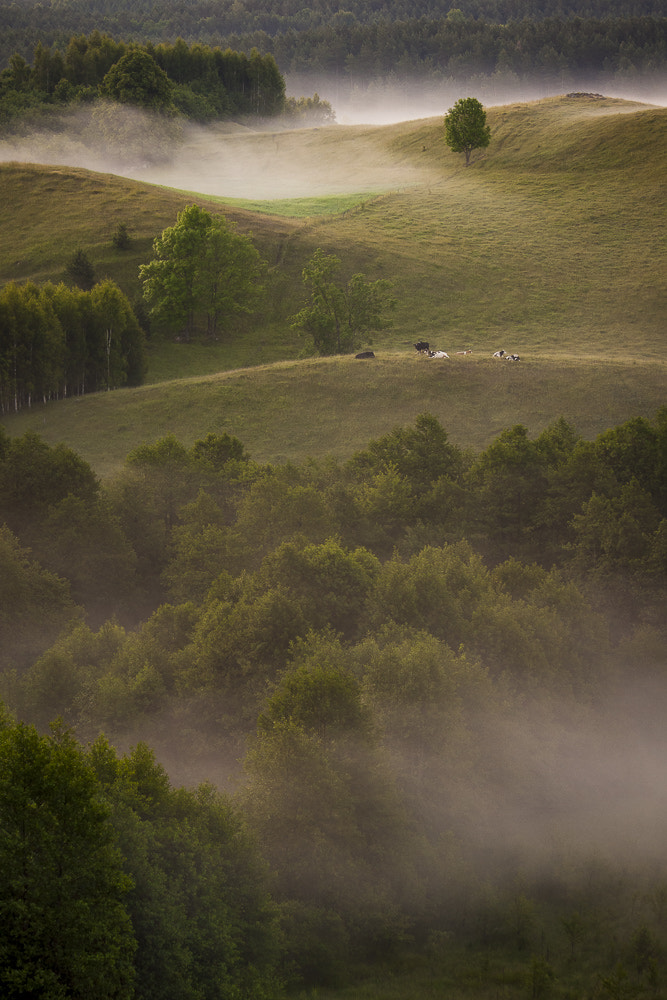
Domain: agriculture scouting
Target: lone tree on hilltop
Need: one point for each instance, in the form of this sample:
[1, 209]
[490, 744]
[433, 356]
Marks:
[466, 128]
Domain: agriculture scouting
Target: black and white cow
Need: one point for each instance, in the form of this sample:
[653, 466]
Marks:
[421, 346]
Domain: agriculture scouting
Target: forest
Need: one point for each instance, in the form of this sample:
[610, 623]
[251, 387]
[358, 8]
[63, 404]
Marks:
[205, 74]
[198, 82]
[406, 676]
[58, 341]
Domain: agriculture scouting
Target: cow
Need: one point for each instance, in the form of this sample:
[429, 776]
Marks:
[365, 354]
[438, 354]
[499, 354]
[421, 346]
[512, 357]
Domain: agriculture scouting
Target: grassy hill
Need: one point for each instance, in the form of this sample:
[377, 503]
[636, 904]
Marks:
[551, 244]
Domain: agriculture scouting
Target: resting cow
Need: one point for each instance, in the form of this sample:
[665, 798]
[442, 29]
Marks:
[365, 354]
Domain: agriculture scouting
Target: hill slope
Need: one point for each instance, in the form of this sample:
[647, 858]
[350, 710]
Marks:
[550, 244]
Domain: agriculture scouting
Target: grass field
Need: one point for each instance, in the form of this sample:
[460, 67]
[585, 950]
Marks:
[298, 409]
[552, 244]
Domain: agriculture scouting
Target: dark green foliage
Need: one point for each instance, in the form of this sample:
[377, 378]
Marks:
[121, 239]
[201, 82]
[115, 885]
[66, 931]
[137, 79]
[51, 499]
[199, 906]
[80, 271]
[422, 652]
[466, 128]
[202, 273]
[339, 317]
[35, 606]
[57, 341]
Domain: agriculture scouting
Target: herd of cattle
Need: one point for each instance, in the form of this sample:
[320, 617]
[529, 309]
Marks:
[422, 347]
[425, 348]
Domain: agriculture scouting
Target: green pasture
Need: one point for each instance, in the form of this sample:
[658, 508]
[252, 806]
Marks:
[552, 244]
[293, 410]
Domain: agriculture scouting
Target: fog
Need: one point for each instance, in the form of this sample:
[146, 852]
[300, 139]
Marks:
[385, 103]
[560, 785]
[269, 160]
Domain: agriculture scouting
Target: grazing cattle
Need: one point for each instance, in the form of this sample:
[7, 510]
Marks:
[421, 346]
[512, 357]
[499, 354]
[365, 354]
[438, 354]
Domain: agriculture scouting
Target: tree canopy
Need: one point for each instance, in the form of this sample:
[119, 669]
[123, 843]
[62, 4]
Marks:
[202, 273]
[340, 315]
[466, 128]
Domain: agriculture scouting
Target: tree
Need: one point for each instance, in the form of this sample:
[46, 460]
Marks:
[309, 111]
[338, 316]
[200, 267]
[119, 336]
[121, 238]
[137, 79]
[66, 931]
[466, 128]
[80, 271]
[35, 605]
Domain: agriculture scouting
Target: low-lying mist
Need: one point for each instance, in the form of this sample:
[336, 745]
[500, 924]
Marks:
[266, 160]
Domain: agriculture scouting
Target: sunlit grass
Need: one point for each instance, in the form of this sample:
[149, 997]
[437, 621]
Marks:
[294, 208]
[293, 410]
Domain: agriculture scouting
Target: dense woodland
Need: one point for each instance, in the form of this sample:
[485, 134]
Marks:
[391, 659]
[197, 82]
[209, 76]
[58, 341]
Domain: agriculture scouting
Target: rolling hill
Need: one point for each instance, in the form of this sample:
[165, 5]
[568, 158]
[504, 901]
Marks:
[551, 244]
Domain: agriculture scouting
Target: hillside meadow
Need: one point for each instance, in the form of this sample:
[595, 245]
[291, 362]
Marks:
[551, 245]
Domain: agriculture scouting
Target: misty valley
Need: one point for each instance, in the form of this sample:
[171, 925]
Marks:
[333, 501]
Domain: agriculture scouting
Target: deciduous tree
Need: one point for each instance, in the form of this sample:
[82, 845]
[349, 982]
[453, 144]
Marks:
[201, 269]
[466, 128]
[338, 315]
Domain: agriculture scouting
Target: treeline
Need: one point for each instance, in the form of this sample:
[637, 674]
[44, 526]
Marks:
[459, 48]
[400, 42]
[23, 24]
[57, 341]
[198, 81]
[399, 648]
[225, 540]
